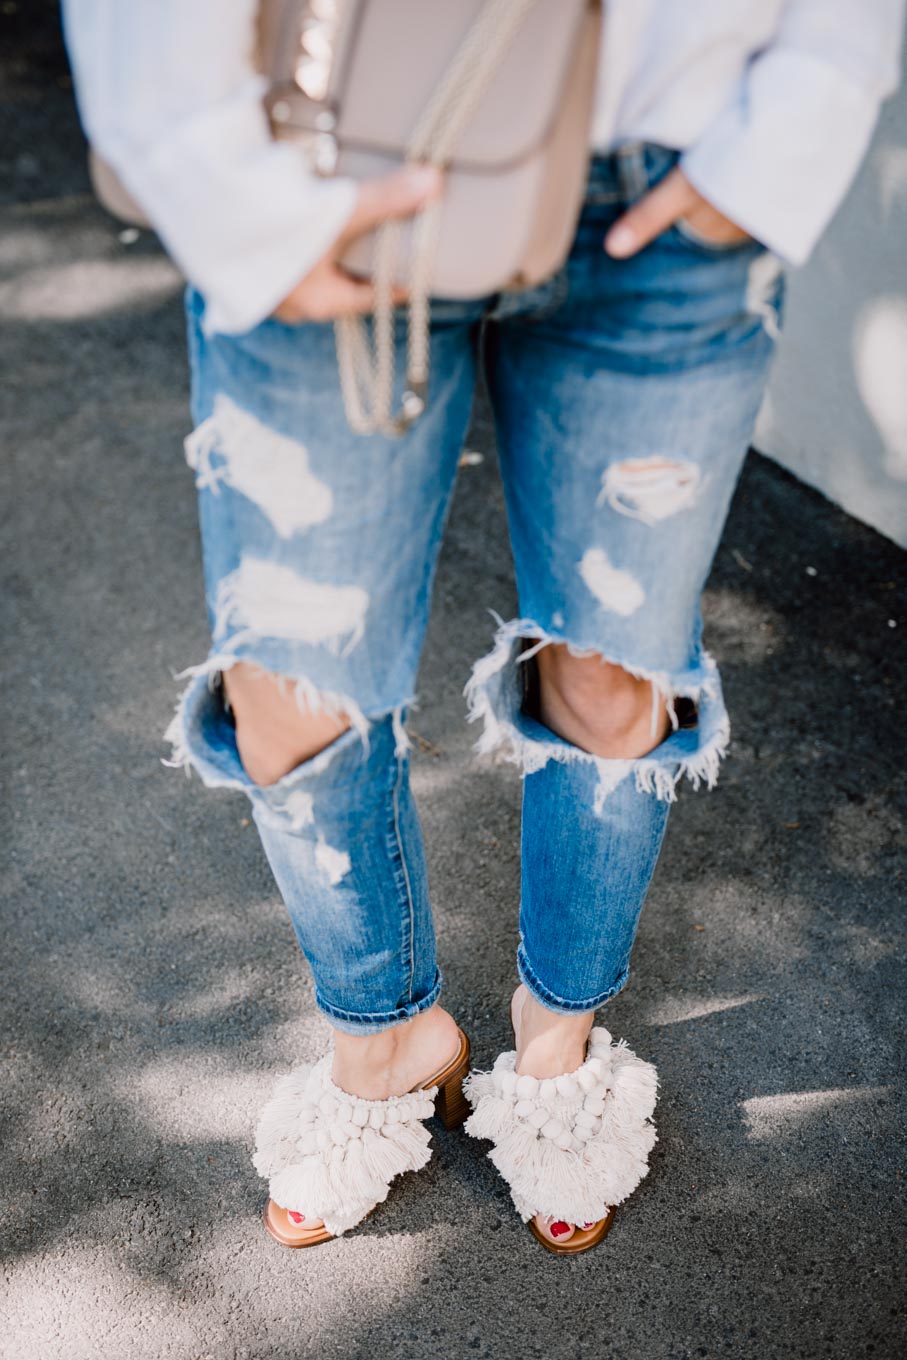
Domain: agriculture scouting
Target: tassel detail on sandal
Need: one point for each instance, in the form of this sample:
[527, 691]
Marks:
[333, 1156]
[571, 1146]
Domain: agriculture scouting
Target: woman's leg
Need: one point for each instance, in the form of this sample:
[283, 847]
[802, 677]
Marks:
[274, 735]
[320, 548]
[618, 480]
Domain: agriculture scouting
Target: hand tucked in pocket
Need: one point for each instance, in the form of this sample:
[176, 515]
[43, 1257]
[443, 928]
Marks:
[673, 200]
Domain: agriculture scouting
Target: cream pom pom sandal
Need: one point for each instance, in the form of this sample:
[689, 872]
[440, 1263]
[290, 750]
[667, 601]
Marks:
[332, 1156]
[570, 1147]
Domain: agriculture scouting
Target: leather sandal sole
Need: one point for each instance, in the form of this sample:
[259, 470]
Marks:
[451, 1107]
[582, 1240]
[311, 1239]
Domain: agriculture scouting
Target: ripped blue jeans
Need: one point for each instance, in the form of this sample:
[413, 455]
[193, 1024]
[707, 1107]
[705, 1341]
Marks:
[624, 396]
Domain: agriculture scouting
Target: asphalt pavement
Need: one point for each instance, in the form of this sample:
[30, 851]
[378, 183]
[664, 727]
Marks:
[151, 989]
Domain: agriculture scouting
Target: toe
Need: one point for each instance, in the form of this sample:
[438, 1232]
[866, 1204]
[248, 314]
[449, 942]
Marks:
[555, 1229]
[292, 1223]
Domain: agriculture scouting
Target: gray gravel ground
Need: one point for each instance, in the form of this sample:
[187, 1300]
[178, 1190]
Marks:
[151, 989]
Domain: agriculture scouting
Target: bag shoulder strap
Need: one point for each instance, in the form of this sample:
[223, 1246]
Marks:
[366, 364]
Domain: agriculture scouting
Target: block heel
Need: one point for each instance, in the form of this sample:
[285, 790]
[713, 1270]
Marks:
[451, 1105]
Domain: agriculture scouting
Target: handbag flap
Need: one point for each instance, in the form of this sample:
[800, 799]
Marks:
[384, 59]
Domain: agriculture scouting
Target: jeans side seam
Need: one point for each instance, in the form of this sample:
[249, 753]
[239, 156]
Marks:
[410, 926]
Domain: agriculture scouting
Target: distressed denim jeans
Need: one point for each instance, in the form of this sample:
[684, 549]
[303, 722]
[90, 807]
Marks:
[624, 397]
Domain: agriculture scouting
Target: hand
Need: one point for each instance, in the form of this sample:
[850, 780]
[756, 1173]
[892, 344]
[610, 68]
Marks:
[674, 198]
[328, 291]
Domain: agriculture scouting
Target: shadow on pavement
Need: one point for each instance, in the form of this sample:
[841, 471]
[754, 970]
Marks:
[151, 987]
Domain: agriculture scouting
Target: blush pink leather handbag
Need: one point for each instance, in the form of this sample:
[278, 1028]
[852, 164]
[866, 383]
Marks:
[498, 93]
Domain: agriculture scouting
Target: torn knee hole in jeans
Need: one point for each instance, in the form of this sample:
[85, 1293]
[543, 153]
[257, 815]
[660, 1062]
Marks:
[301, 802]
[650, 489]
[681, 709]
[188, 748]
[501, 696]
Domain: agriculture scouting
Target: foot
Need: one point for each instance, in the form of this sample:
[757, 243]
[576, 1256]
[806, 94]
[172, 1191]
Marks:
[295, 1229]
[377, 1066]
[548, 1044]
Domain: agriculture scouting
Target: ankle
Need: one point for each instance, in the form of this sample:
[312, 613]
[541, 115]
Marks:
[376, 1066]
[547, 1043]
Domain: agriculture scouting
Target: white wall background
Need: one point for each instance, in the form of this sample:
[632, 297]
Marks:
[836, 410]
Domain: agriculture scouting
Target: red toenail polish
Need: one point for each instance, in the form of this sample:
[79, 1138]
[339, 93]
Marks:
[558, 1229]
[296, 1218]
[588, 1225]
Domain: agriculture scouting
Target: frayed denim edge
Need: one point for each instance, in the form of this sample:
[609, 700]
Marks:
[654, 774]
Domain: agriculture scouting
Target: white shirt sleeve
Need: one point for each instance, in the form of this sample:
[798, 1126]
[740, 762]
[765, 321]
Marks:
[169, 96]
[780, 157]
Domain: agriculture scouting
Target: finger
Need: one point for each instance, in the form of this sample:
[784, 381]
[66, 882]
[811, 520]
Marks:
[652, 215]
[399, 292]
[346, 295]
[396, 195]
[358, 295]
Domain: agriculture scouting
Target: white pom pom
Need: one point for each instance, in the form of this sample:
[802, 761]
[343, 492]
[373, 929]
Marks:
[508, 1083]
[376, 1117]
[526, 1087]
[597, 1160]
[360, 1114]
[587, 1080]
[523, 1109]
[566, 1086]
[327, 1105]
[323, 1139]
[338, 1134]
[392, 1115]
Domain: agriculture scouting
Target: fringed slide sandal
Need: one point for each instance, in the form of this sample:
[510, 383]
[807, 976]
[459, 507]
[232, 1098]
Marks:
[331, 1155]
[570, 1147]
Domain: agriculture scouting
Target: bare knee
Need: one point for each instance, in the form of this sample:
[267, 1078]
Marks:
[275, 732]
[598, 706]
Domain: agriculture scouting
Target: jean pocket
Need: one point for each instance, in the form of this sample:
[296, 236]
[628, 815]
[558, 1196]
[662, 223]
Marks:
[691, 237]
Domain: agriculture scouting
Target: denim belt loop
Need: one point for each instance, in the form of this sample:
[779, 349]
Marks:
[631, 170]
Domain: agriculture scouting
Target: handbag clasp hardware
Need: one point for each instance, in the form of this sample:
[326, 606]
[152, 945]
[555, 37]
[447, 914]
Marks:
[315, 130]
[318, 32]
